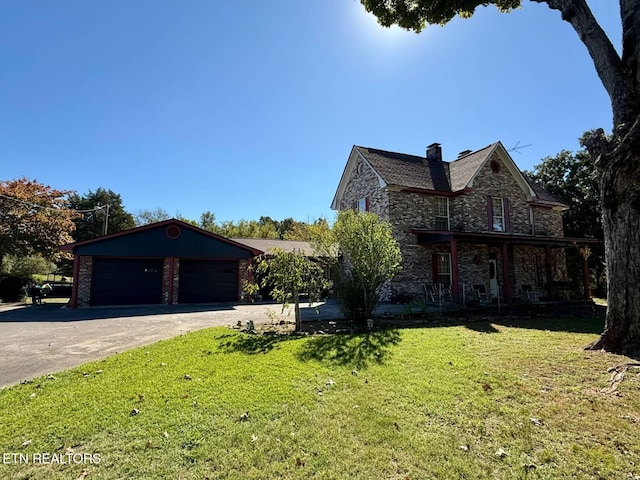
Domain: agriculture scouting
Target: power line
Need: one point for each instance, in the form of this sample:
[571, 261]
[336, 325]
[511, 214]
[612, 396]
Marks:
[35, 205]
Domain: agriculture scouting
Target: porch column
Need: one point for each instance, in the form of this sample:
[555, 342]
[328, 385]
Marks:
[455, 288]
[506, 284]
[584, 251]
[547, 259]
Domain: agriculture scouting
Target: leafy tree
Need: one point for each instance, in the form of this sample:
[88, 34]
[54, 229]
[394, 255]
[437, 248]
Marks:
[208, 222]
[308, 232]
[291, 274]
[367, 256]
[146, 216]
[93, 220]
[26, 266]
[35, 219]
[574, 179]
[617, 155]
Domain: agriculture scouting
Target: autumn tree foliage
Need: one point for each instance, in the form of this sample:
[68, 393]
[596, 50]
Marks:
[617, 155]
[35, 219]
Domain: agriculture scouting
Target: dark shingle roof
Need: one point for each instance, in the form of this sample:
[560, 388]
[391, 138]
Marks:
[408, 170]
[412, 171]
[463, 169]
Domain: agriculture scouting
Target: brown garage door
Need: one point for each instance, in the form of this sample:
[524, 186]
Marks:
[205, 281]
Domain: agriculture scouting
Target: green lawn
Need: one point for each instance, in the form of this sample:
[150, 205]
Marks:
[419, 403]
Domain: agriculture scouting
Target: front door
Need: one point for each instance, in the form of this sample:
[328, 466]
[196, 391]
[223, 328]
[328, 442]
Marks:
[493, 277]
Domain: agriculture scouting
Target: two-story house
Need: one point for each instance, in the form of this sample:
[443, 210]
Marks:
[472, 221]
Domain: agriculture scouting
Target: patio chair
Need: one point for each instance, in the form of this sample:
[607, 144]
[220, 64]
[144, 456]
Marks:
[484, 297]
[528, 291]
[438, 293]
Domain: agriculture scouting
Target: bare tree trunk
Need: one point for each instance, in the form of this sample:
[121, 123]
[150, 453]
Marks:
[620, 190]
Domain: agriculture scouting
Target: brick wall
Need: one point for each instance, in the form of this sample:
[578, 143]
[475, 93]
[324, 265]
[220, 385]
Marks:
[84, 281]
[243, 275]
[364, 183]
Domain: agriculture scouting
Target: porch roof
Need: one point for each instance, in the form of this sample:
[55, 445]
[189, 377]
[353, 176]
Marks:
[428, 236]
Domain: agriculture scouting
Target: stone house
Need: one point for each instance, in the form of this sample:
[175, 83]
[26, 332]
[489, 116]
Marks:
[472, 223]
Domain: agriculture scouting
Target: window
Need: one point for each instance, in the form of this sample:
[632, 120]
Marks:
[362, 204]
[442, 213]
[444, 268]
[498, 214]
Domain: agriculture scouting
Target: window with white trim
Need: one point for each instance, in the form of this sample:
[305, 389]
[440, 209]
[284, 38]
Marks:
[444, 268]
[498, 214]
[442, 213]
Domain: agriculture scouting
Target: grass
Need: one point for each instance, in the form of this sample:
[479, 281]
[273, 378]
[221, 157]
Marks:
[418, 403]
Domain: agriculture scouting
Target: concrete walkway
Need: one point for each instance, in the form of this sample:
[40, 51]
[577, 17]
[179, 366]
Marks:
[37, 340]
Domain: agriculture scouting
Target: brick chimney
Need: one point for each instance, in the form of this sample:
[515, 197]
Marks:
[434, 152]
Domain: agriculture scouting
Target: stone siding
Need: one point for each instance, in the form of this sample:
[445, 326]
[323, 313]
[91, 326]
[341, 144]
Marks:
[364, 183]
[468, 213]
[549, 220]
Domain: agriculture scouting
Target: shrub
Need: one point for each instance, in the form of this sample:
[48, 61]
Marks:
[12, 288]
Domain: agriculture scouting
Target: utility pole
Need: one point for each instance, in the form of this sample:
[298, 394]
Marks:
[106, 219]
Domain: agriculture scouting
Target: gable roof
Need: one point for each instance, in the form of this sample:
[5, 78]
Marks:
[408, 170]
[464, 169]
[136, 241]
[440, 177]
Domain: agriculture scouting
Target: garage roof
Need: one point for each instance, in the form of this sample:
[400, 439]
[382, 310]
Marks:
[169, 238]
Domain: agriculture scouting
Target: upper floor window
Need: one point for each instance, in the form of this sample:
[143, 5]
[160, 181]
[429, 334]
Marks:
[498, 214]
[442, 213]
[361, 205]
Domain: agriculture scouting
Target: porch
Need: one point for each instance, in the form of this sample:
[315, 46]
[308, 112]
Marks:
[508, 266]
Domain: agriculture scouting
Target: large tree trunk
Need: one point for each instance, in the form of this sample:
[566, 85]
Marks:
[620, 190]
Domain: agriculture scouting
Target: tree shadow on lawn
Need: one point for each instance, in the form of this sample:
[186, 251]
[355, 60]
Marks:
[357, 350]
[253, 344]
[489, 323]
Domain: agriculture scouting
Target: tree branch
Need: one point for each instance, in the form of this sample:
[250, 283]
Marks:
[605, 58]
[631, 39]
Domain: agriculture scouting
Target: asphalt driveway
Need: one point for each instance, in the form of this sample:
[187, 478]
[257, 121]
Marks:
[37, 340]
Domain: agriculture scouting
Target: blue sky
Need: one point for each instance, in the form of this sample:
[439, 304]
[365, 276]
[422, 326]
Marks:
[251, 108]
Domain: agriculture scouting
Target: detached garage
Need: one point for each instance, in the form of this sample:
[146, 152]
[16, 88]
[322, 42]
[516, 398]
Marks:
[162, 263]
